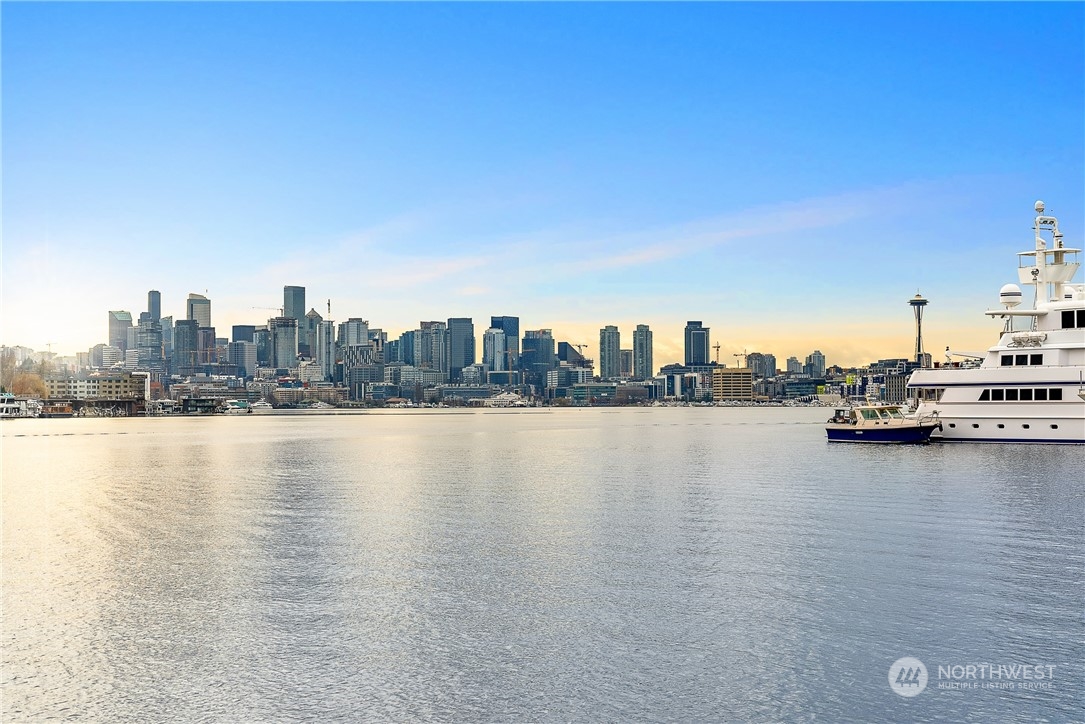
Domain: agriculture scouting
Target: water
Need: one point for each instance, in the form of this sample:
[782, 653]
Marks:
[576, 565]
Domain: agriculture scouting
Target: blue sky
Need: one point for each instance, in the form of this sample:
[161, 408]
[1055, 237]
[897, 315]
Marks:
[788, 173]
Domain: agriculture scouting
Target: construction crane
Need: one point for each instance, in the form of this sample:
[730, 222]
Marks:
[276, 309]
[716, 347]
[743, 355]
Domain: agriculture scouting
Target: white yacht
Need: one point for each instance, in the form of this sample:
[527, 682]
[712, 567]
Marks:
[1028, 387]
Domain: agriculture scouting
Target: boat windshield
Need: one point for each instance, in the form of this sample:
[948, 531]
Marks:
[894, 412]
[869, 414]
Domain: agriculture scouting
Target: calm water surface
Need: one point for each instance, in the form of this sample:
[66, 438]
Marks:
[575, 565]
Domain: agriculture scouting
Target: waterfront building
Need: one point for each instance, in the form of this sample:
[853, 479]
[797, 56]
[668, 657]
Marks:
[261, 336]
[284, 342]
[696, 343]
[294, 304]
[494, 353]
[732, 384]
[794, 367]
[609, 353]
[625, 363]
[198, 307]
[120, 322]
[461, 346]
[154, 305]
[114, 385]
[511, 328]
[642, 352]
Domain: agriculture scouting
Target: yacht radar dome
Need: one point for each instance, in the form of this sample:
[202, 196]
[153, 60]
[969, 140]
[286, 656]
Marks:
[1010, 294]
[1039, 207]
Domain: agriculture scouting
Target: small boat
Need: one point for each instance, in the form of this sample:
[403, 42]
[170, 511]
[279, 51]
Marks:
[261, 406]
[880, 424]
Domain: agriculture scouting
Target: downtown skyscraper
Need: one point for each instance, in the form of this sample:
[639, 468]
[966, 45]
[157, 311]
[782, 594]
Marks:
[610, 350]
[697, 344]
[642, 353]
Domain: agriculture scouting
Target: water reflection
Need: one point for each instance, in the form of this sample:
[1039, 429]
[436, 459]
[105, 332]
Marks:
[580, 565]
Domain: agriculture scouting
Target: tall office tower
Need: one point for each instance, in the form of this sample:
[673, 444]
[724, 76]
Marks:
[154, 305]
[324, 352]
[262, 337]
[431, 346]
[307, 332]
[918, 302]
[794, 367]
[242, 354]
[294, 303]
[406, 347]
[242, 332]
[755, 361]
[461, 346]
[642, 353]
[696, 344]
[149, 345]
[610, 346]
[494, 354]
[538, 356]
[815, 364]
[511, 327]
[198, 307]
[768, 366]
[120, 322]
[353, 331]
[284, 342]
[185, 358]
[167, 337]
[625, 358]
[205, 345]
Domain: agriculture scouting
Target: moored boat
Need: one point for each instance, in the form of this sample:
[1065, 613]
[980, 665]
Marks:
[1027, 387]
[879, 424]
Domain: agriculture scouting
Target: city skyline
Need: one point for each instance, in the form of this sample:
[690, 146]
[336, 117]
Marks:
[574, 165]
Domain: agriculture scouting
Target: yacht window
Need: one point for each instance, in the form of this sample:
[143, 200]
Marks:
[1041, 394]
[1026, 395]
[1007, 360]
[985, 396]
[1068, 319]
[1054, 427]
[1022, 359]
[997, 395]
[870, 414]
[1011, 395]
[1081, 317]
[1000, 426]
[1036, 359]
[895, 413]
[975, 425]
[953, 424]
[1054, 394]
[1025, 426]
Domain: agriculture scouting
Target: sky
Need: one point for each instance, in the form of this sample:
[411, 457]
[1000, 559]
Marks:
[790, 174]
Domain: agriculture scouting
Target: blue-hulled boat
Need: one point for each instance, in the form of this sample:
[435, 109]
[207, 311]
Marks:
[879, 424]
